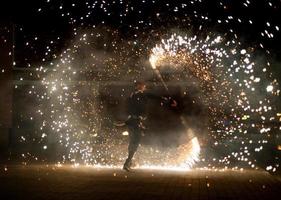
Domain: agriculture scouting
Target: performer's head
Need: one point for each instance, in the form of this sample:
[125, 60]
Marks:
[140, 86]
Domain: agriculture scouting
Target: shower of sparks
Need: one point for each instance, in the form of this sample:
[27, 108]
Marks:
[230, 81]
[235, 87]
[74, 116]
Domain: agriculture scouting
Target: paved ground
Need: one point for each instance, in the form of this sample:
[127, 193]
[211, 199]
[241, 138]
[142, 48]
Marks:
[42, 182]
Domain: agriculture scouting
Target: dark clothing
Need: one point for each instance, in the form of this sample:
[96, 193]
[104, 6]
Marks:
[135, 130]
[138, 100]
[137, 109]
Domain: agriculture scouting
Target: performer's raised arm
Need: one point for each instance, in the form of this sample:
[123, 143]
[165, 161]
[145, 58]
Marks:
[164, 100]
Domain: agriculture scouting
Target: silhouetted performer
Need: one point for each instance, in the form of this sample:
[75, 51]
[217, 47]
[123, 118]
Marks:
[136, 110]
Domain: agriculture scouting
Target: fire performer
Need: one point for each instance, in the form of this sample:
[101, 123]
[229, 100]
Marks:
[136, 110]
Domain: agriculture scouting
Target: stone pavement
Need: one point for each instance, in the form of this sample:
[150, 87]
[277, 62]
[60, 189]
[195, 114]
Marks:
[50, 182]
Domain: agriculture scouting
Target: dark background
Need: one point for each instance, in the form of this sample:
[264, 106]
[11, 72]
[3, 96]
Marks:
[48, 24]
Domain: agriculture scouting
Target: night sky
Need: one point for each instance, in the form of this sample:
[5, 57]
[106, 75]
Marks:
[58, 18]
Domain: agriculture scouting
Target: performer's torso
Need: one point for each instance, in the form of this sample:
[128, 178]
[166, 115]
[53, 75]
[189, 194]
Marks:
[137, 103]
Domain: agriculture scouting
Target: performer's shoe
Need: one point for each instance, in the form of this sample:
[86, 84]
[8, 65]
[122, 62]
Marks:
[126, 168]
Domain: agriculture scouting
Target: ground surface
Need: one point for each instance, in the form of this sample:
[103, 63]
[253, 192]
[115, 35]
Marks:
[49, 182]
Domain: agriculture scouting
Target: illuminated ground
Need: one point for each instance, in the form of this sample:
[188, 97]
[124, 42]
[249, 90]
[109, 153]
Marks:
[41, 182]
